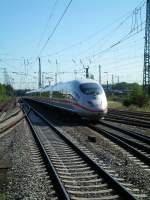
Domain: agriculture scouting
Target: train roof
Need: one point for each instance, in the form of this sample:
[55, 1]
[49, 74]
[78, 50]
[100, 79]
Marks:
[80, 81]
[34, 91]
[61, 84]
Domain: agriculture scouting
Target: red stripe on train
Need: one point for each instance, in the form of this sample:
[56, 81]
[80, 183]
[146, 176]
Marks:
[75, 104]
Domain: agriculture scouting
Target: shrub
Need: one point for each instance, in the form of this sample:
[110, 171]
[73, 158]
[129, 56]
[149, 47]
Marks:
[136, 97]
[127, 102]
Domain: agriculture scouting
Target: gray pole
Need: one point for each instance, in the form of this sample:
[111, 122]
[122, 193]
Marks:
[99, 74]
[55, 78]
[118, 79]
[39, 82]
[43, 79]
[87, 71]
[112, 79]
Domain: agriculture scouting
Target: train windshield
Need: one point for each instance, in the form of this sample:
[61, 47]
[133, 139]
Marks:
[90, 88]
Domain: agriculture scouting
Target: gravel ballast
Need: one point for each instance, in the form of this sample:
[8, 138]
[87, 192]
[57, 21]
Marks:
[113, 156]
[27, 178]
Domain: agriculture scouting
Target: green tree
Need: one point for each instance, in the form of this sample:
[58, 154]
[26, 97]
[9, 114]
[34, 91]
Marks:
[136, 96]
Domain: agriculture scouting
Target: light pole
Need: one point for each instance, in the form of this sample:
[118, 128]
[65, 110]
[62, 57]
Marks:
[117, 79]
[112, 78]
[99, 67]
[107, 79]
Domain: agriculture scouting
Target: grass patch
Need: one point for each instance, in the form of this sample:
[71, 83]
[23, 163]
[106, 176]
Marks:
[120, 106]
[116, 105]
[5, 98]
[2, 196]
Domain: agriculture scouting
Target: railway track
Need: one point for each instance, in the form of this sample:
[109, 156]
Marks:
[10, 121]
[132, 133]
[135, 113]
[9, 116]
[117, 117]
[75, 174]
[134, 143]
[134, 116]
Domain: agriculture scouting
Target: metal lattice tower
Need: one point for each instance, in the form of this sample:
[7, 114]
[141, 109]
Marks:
[146, 71]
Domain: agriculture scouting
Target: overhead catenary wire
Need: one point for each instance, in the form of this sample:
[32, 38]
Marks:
[91, 36]
[118, 46]
[124, 19]
[56, 26]
[47, 24]
[124, 38]
[131, 33]
[114, 44]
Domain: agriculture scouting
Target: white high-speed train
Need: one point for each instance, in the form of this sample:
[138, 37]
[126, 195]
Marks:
[84, 97]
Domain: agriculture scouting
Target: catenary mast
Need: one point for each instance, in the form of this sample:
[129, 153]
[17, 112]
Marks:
[146, 70]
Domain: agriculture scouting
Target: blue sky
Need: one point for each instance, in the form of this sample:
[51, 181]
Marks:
[92, 23]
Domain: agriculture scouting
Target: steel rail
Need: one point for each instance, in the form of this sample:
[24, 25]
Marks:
[122, 143]
[136, 135]
[129, 115]
[116, 115]
[10, 116]
[133, 143]
[121, 190]
[127, 120]
[134, 113]
[58, 185]
[11, 125]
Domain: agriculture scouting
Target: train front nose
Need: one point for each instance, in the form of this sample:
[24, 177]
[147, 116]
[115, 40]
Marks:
[99, 104]
[95, 103]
